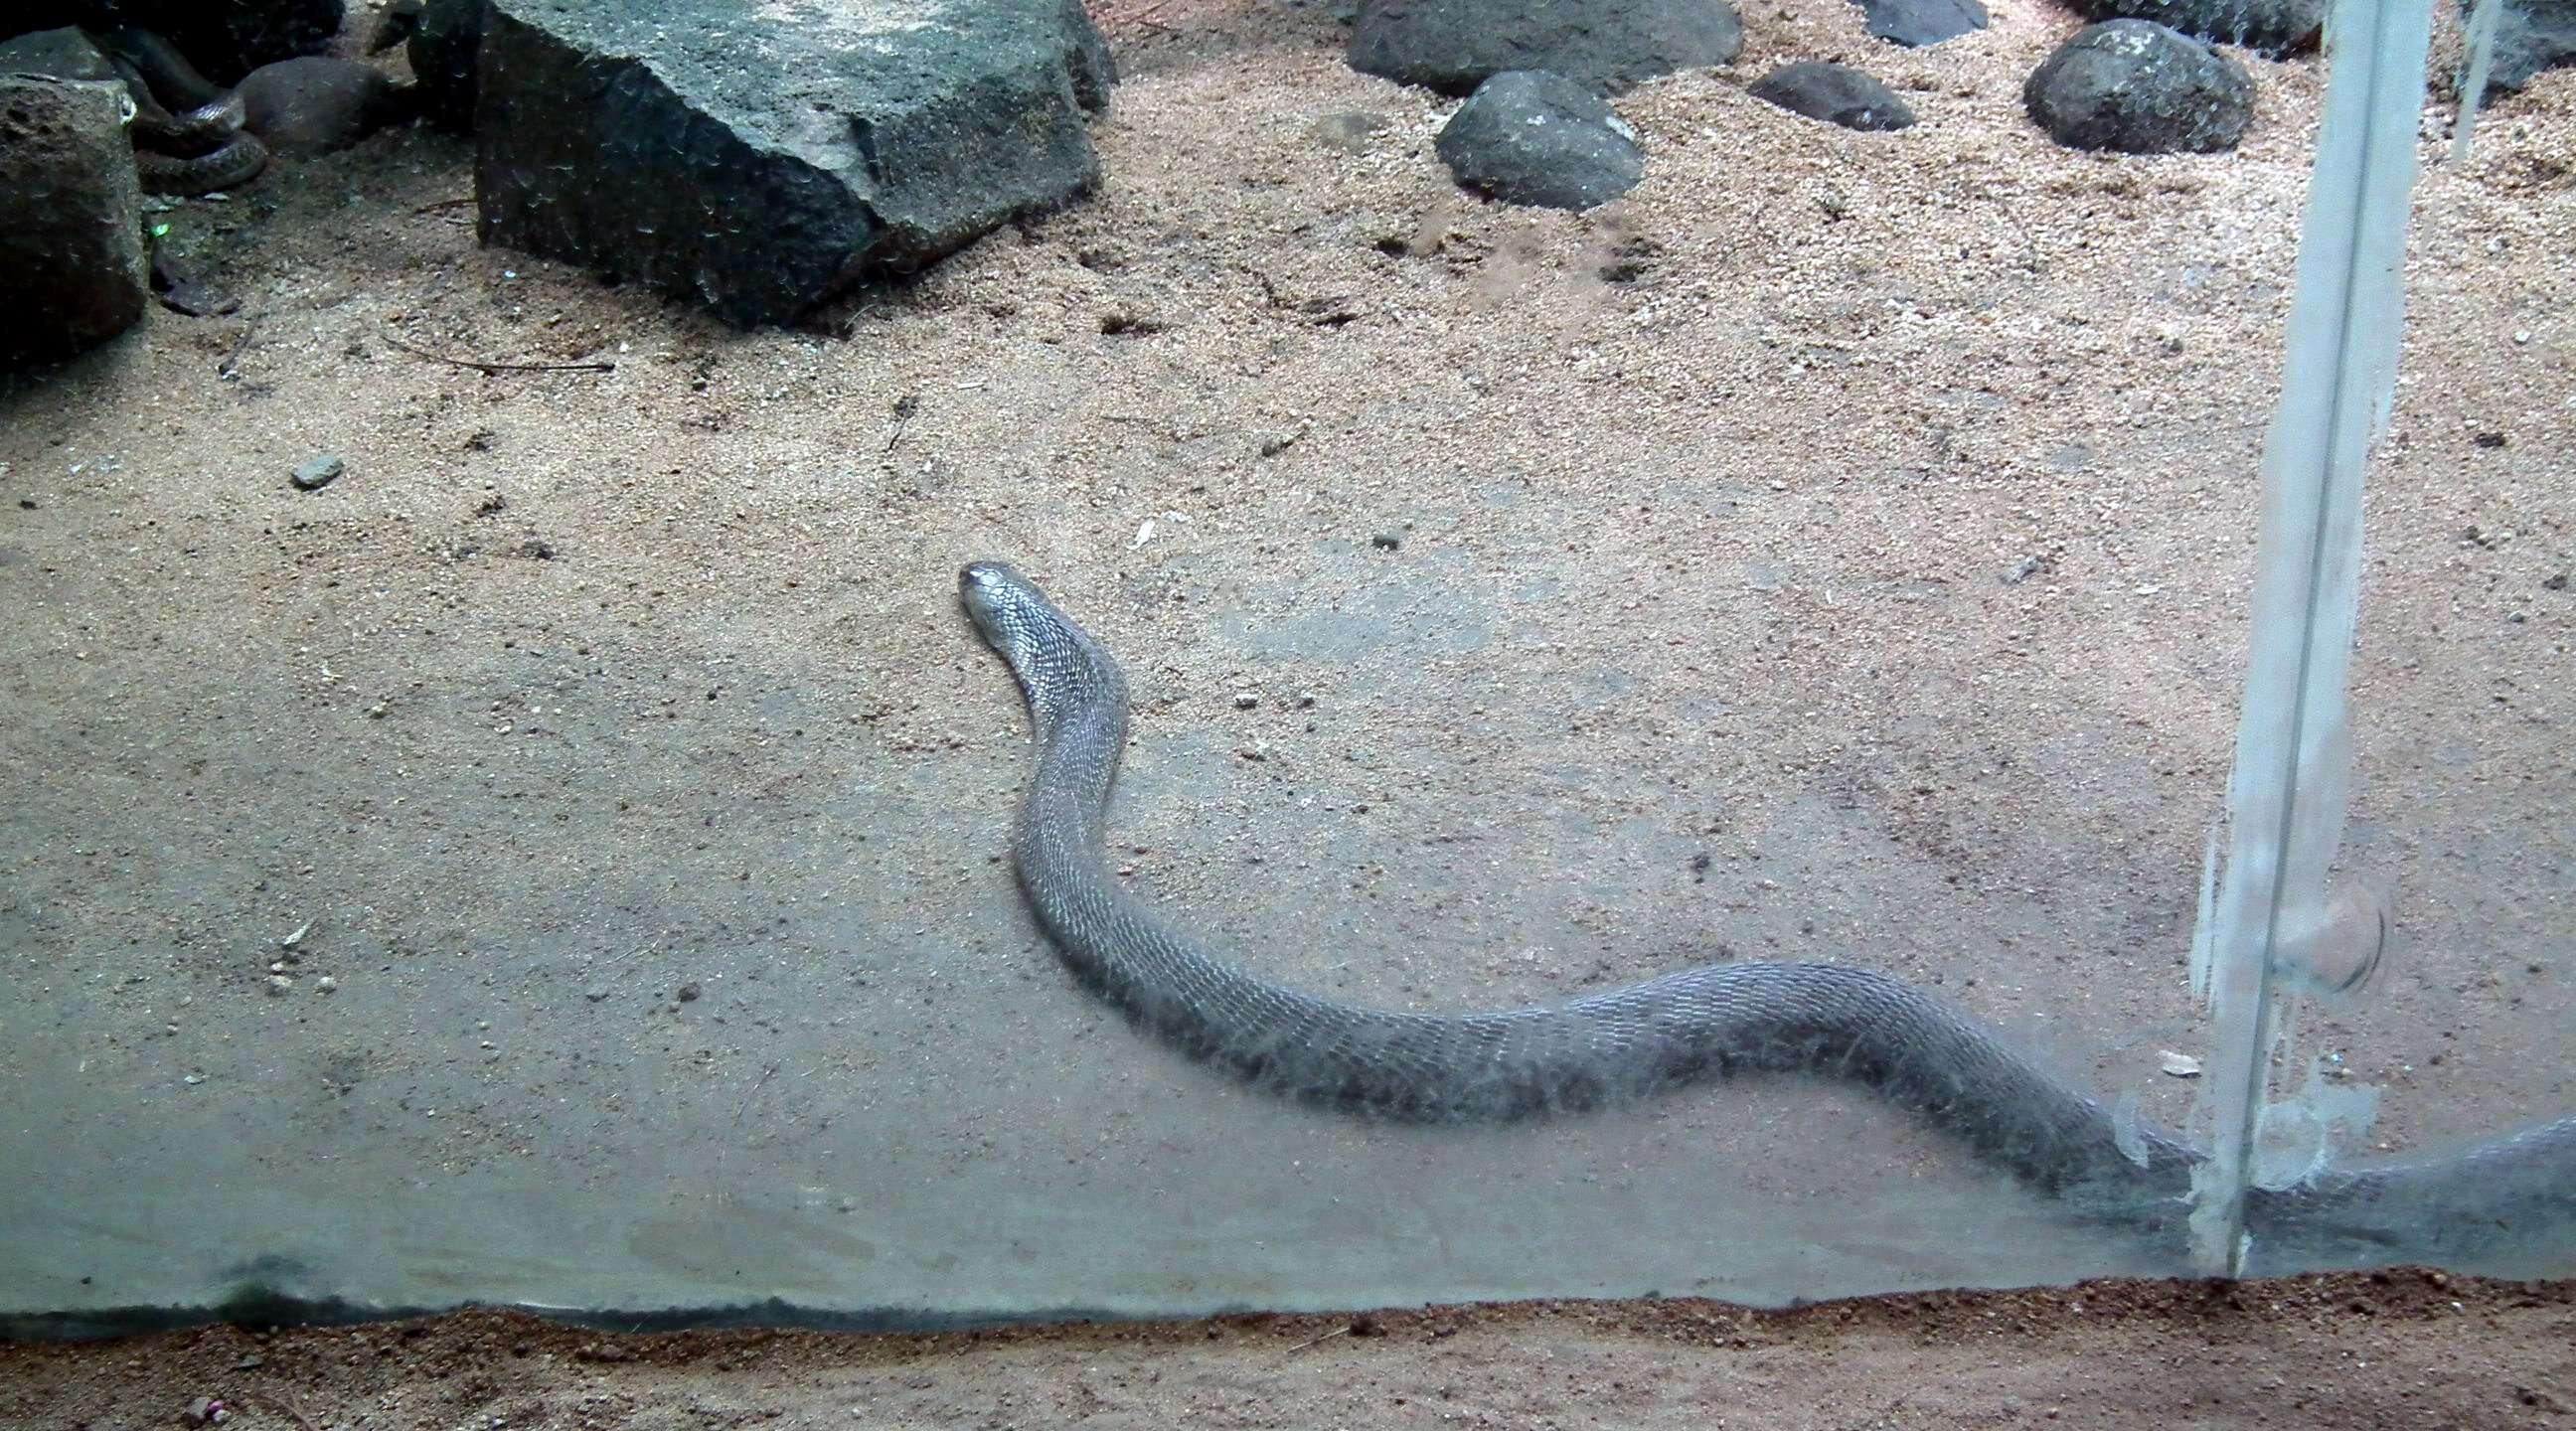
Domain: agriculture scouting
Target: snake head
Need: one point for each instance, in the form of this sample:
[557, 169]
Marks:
[1014, 616]
[1058, 665]
[992, 592]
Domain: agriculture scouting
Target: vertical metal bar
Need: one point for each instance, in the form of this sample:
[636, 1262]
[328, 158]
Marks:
[2287, 795]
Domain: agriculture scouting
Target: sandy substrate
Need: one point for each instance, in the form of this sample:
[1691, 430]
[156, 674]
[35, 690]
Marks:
[2408, 1350]
[1836, 549]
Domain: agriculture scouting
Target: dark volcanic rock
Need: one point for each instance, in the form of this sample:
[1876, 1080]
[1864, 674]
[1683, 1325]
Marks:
[2140, 88]
[71, 252]
[446, 36]
[1923, 22]
[2272, 26]
[763, 161]
[181, 291]
[1609, 45]
[1528, 137]
[64, 53]
[1836, 94]
[224, 38]
[229, 41]
[318, 105]
[399, 21]
[2531, 36]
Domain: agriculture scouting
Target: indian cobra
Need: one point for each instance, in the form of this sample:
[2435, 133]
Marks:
[188, 135]
[1907, 1045]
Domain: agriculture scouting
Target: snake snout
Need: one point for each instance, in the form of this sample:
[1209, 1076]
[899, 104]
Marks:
[987, 588]
[981, 583]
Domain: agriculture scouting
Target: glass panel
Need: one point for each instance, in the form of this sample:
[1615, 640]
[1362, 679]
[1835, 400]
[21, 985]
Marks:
[2426, 1045]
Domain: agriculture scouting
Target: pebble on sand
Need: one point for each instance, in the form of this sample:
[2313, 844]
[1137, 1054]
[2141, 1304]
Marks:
[318, 472]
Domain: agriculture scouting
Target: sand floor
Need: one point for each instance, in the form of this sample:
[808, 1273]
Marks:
[2406, 1350]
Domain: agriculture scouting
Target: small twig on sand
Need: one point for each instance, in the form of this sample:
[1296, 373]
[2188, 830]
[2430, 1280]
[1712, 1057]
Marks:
[1340, 1331]
[286, 1404]
[904, 407]
[456, 203]
[230, 368]
[481, 366]
[766, 1074]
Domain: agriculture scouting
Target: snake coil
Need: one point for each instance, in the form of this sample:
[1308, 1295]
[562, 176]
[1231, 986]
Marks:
[195, 148]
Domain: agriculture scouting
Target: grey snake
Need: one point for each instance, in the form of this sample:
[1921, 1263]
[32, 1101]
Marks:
[1903, 1043]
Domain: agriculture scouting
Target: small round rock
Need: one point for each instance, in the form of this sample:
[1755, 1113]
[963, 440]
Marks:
[318, 472]
[1531, 137]
[2138, 87]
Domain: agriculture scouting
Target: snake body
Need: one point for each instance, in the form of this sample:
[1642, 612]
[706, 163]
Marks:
[1904, 1043]
[188, 135]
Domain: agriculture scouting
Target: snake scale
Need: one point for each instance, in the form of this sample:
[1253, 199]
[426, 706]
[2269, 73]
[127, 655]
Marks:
[1852, 1024]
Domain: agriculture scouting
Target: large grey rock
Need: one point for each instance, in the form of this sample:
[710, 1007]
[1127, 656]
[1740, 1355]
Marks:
[1528, 137]
[2272, 26]
[2138, 87]
[1609, 45]
[64, 53]
[1923, 22]
[1836, 94]
[2531, 36]
[71, 251]
[446, 37]
[763, 159]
